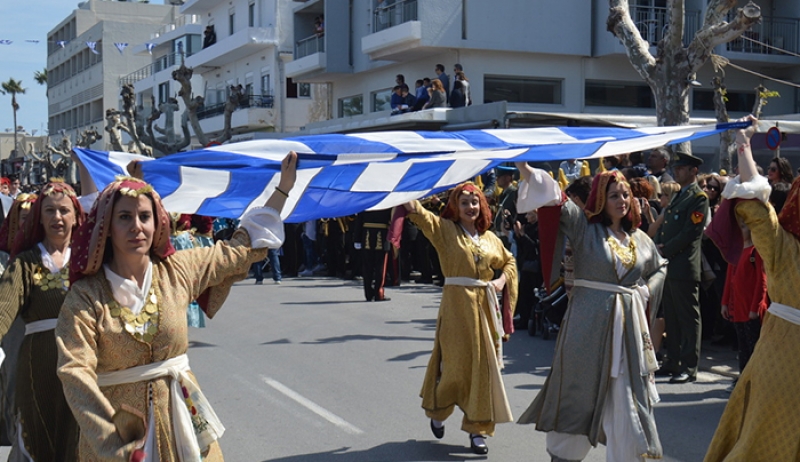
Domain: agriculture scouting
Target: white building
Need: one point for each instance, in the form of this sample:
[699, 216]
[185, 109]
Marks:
[529, 62]
[82, 84]
[254, 39]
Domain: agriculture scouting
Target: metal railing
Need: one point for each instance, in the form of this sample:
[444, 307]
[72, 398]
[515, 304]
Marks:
[783, 33]
[652, 23]
[180, 22]
[162, 63]
[309, 46]
[397, 12]
[265, 101]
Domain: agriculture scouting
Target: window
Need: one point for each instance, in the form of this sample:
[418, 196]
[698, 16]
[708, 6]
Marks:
[619, 94]
[251, 14]
[381, 100]
[703, 100]
[163, 92]
[522, 90]
[266, 87]
[350, 106]
[231, 19]
[294, 90]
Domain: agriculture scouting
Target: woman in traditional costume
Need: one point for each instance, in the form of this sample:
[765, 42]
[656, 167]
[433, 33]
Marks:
[34, 287]
[12, 340]
[760, 419]
[122, 334]
[465, 364]
[601, 387]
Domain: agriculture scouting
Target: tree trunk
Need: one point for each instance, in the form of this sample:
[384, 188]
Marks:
[726, 146]
[183, 75]
[15, 106]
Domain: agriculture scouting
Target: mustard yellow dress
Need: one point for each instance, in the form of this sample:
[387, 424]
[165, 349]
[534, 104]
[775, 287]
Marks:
[761, 419]
[458, 372]
[91, 340]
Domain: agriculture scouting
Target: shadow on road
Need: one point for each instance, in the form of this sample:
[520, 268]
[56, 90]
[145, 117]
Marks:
[196, 344]
[411, 356]
[328, 302]
[363, 337]
[389, 452]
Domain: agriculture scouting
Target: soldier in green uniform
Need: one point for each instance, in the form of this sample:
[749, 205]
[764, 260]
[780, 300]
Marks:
[679, 241]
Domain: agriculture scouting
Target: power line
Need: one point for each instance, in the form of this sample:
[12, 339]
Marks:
[758, 74]
[770, 46]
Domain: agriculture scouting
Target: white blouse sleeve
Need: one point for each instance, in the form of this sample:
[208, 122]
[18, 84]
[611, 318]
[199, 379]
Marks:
[756, 188]
[265, 227]
[87, 201]
[540, 191]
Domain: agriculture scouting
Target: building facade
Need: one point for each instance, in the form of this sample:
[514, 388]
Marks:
[529, 62]
[84, 64]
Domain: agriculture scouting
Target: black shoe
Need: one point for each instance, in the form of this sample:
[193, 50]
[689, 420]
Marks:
[478, 448]
[258, 283]
[663, 372]
[683, 377]
[437, 432]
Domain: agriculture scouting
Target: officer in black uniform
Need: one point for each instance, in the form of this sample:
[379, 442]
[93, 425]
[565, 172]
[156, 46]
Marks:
[371, 237]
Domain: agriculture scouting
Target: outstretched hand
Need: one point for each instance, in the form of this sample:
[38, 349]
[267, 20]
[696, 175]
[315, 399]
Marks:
[743, 135]
[288, 171]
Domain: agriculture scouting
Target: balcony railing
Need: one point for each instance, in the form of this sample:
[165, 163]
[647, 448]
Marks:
[652, 23]
[180, 22]
[309, 46]
[397, 13]
[783, 33]
[266, 101]
[162, 63]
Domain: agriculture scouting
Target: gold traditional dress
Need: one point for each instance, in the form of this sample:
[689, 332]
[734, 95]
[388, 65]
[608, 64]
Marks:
[760, 421]
[464, 368]
[97, 335]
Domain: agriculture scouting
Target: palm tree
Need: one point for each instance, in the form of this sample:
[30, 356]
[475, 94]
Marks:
[13, 87]
[40, 76]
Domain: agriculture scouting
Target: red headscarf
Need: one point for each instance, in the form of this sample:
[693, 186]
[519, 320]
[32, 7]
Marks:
[12, 223]
[596, 203]
[89, 243]
[789, 217]
[32, 231]
[451, 210]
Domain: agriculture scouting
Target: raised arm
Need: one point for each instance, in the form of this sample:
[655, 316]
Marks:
[747, 166]
[286, 183]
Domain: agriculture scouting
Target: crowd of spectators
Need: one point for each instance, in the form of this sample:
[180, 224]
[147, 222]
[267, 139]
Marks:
[431, 93]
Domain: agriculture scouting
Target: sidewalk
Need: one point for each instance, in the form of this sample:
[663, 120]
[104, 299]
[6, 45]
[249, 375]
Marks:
[718, 359]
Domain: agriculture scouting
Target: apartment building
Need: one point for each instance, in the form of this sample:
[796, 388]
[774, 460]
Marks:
[227, 44]
[529, 62]
[84, 82]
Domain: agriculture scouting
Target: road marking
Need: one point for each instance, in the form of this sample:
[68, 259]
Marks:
[313, 407]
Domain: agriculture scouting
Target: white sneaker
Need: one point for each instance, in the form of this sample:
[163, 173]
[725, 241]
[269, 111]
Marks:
[306, 273]
[277, 283]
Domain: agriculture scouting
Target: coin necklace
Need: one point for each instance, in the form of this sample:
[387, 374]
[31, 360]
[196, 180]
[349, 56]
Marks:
[626, 254]
[148, 317]
[47, 280]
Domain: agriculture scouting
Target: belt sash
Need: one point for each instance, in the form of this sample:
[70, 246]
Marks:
[640, 294]
[40, 326]
[785, 312]
[194, 430]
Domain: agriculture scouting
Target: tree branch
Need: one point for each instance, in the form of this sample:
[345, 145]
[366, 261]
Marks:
[713, 34]
[677, 12]
[621, 25]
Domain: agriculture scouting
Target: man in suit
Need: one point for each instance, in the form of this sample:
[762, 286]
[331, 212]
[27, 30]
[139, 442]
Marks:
[678, 240]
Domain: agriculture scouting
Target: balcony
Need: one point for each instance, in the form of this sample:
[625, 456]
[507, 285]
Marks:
[652, 23]
[251, 101]
[309, 56]
[768, 36]
[230, 49]
[185, 25]
[309, 46]
[163, 63]
[395, 30]
[198, 6]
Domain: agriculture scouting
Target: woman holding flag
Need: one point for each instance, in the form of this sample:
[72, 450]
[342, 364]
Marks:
[122, 333]
[467, 356]
[601, 387]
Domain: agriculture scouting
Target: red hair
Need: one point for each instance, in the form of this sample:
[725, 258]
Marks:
[451, 212]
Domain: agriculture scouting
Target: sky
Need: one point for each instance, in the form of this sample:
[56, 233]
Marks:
[21, 59]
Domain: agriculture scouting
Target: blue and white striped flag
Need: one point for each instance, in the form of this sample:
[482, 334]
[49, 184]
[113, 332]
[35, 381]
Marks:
[339, 175]
[93, 47]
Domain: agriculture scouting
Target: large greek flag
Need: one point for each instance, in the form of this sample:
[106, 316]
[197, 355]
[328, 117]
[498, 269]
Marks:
[339, 175]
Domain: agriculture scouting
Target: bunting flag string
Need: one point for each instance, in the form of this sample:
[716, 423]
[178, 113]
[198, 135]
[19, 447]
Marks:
[93, 47]
[120, 46]
[339, 175]
[150, 47]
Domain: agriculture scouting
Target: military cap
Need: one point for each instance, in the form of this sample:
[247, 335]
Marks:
[503, 170]
[682, 158]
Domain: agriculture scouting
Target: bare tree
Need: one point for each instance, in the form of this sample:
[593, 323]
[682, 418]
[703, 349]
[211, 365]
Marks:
[183, 75]
[668, 73]
[57, 160]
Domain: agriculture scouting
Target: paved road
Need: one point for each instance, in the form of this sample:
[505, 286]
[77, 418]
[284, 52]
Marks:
[308, 372]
